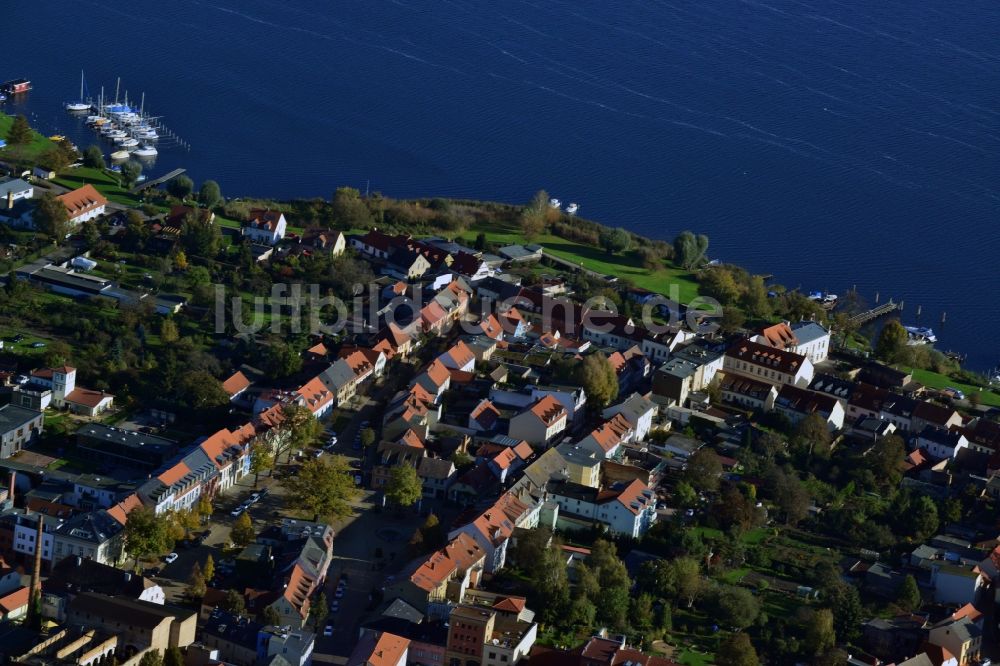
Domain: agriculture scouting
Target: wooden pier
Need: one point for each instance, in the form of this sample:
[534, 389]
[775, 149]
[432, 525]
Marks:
[157, 182]
[879, 311]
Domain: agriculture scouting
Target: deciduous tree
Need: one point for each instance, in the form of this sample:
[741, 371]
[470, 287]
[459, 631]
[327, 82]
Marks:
[704, 470]
[93, 157]
[615, 240]
[323, 487]
[242, 533]
[51, 217]
[403, 488]
[891, 341]
[210, 195]
[597, 377]
[736, 650]
[689, 250]
[146, 534]
[180, 187]
[131, 170]
[908, 597]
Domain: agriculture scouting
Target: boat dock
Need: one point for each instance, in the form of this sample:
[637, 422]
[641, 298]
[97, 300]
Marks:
[878, 311]
[157, 182]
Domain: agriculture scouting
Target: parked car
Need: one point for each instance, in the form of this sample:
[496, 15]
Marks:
[328, 630]
[171, 558]
[235, 513]
[334, 606]
[37, 345]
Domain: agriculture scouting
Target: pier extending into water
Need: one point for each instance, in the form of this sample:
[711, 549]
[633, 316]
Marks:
[156, 182]
[878, 311]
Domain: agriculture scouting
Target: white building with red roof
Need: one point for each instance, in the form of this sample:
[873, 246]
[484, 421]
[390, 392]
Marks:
[265, 227]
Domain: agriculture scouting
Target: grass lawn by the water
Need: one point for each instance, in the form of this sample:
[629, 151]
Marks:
[626, 266]
[39, 144]
[104, 181]
[938, 381]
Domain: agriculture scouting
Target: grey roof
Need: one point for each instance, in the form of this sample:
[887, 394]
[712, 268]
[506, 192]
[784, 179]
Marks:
[233, 629]
[435, 468]
[404, 611]
[15, 185]
[71, 279]
[808, 331]
[13, 417]
[698, 353]
[96, 527]
[920, 660]
[519, 251]
[131, 438]
[963, 629]
[636, 406]
[678, 367]
[337, 375]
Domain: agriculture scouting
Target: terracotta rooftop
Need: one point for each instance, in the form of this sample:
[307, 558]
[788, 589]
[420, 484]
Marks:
[548, 410]
[236, 383]
[82, 200]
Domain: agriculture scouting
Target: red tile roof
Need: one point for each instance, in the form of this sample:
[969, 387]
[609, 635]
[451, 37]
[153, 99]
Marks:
[174, 474]
[87, 397]
[15, 600]
[236, 384]
[780, 336]
[388, 650]
[82, 200]
[548, 410]
[121, 510]
[438, 373]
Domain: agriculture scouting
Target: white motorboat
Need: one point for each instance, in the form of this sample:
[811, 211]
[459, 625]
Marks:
[920, 335]
[129, 143]
[145, 151]
[119, 155]
[572, 208]
[555, 203]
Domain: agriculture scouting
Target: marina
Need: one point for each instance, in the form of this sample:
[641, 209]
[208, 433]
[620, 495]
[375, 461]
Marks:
[132, 131]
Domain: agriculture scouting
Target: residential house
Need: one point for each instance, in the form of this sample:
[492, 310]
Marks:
[928, 414]
[690, 369]
[459, 357]
[265, 227]
[436, 476]
[505, 461]
[747, 393]
[797, 403]
[94, 535]
[470, 266]
[384, 650]
[806, 338]
[19, 427]
[83, 204]
[774, 366]
[940, 443]
[625, 509]
[435, 379]
[374, 244]
[607, 439]
[325, 240]
[540, 424]
[443, 575]
[638, 411]
[484, 417]
[66, 394]
[304, 576]
[13, 191]
[491, 636]
[236, 385]
[962, 638]
[408, 450]
[492, 528]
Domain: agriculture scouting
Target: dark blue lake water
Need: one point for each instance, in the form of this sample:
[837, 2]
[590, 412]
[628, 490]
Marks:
[832, 143]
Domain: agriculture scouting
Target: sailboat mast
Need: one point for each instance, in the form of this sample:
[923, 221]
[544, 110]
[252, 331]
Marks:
[142, 105]
[81, 85]
[118, 86]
